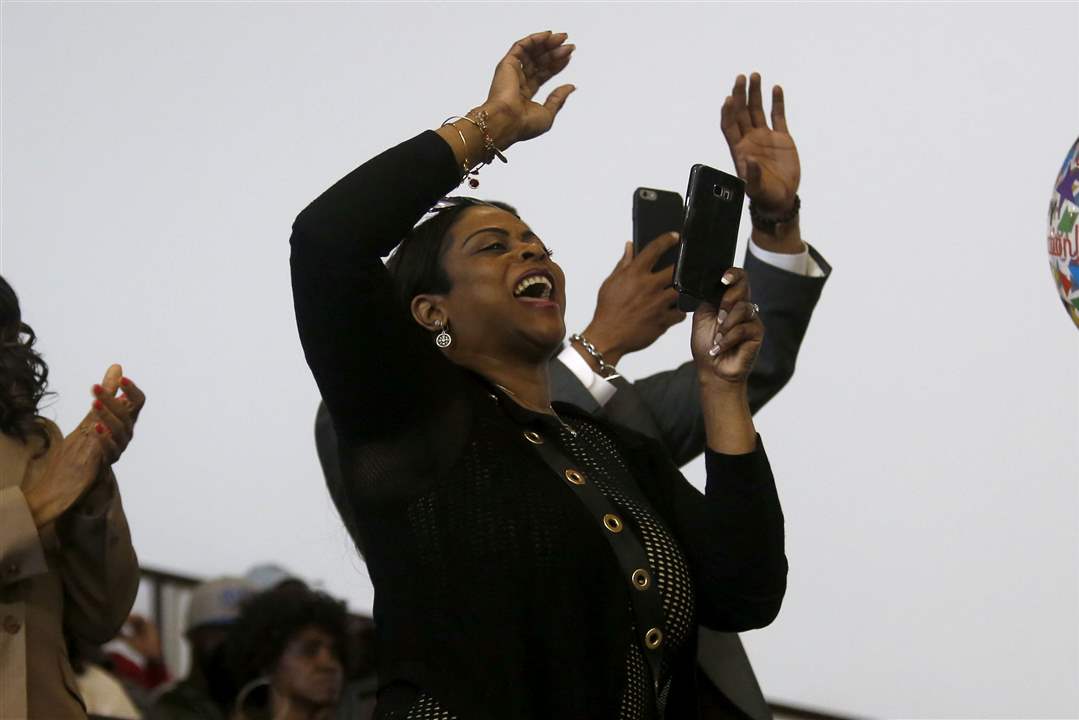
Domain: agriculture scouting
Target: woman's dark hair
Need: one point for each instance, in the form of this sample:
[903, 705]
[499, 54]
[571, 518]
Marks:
[416, 265]
[23, 374]
[269, 620]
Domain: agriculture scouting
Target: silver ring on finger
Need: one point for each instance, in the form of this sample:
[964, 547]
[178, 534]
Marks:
[756, 310]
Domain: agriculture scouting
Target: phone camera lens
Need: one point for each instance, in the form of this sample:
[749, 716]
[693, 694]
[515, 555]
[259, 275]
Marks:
[648, 194]
[721, 192]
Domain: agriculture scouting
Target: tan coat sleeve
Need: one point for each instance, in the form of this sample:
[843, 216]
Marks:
[99, 569]
[21, 552]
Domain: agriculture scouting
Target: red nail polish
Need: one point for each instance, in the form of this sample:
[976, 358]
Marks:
[98, 405]
[125, 382]
[98, 389]
[100, 429]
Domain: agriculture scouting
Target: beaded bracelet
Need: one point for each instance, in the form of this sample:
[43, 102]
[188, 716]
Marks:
[769, 223]
[488, 141]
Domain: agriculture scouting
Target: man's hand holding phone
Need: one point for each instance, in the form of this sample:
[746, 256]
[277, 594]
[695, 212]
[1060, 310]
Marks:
[635, 306]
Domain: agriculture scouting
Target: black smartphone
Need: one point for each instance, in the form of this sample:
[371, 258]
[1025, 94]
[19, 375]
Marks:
[709, 235]
[656, 212]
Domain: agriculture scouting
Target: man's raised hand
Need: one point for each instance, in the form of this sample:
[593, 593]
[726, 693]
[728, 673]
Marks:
[765, 157]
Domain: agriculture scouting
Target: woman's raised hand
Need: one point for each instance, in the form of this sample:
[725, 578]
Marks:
[530, 63]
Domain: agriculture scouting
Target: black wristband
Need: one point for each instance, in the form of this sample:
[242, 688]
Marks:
[769, 223]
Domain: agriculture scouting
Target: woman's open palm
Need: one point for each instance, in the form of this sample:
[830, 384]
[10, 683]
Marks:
[530, 63]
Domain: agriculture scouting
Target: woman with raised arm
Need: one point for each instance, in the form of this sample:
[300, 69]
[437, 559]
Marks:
[529, 561]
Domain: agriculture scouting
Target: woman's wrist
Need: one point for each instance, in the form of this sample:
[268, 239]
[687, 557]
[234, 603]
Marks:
[720, 390]
[467, 139]
[502, 124]
[728, 421]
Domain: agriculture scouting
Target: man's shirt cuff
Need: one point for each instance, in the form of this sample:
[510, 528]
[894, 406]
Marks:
[798, 263]
[596, 384]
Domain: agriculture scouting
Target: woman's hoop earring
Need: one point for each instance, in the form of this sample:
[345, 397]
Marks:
[443, 339]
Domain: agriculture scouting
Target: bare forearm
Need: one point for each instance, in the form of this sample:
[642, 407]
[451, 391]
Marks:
[728, 423]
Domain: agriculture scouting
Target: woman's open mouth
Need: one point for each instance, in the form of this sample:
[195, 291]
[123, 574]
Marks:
[535, 288]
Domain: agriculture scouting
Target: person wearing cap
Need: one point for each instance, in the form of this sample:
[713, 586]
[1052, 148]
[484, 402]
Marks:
[206, 693]
[269, 576]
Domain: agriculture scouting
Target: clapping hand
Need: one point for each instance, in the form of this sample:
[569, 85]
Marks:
[96, 443]
[114, 417]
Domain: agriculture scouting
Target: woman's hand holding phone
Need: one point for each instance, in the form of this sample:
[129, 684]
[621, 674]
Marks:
[725, 342]
[726, 339]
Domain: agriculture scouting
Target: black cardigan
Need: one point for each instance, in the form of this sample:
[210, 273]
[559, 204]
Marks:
[494, 590]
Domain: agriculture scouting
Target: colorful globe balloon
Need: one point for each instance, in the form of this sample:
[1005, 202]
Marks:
[1064, 233]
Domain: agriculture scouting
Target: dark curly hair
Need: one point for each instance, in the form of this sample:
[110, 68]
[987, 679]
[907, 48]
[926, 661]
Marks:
[23, 373]
[270, 619]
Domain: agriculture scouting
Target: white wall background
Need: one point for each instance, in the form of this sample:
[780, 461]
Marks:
[154, 157]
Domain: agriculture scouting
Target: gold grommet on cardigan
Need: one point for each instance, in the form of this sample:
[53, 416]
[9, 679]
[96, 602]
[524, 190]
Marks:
[613, 522]
[533, 437]
[641, 579]
[653, 638]
[575, 476]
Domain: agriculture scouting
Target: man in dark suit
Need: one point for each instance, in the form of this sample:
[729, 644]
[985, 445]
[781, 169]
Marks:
[665, 406]
[634, 309]
[786, 277]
